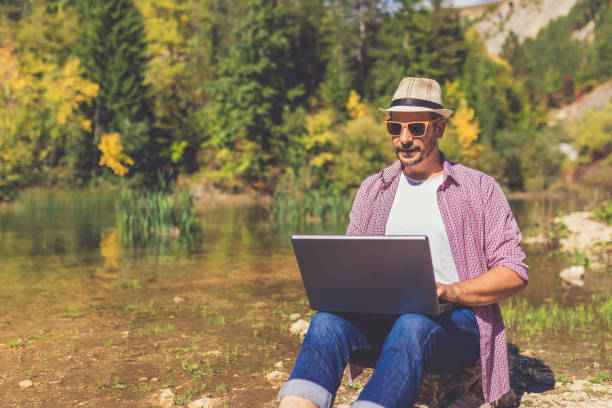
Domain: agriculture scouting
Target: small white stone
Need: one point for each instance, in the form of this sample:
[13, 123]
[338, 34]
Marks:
[573, 275]
[278, 364]
[300, 327]
[276, 375]
[201, 403]
[166, 399]
[294, 317]
[25, 384]
[178, 299]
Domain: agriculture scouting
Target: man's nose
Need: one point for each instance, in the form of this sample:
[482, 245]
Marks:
[405, 136]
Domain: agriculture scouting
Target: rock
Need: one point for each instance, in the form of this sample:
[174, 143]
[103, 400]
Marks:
[294, 317]
[178, 299]
[25, 384]
[141, 379]
[467, 400]
[300, 327]
[201, 403]
[578, 385]
[573, 275]
[166, 399]
[276, 376]
[278, 364]
[442, 390]
[508, 400]
[527, 353]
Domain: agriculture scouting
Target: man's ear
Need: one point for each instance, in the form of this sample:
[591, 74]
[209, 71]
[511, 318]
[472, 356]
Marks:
[440, 128]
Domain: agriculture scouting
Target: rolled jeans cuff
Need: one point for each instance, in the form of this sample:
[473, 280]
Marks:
[365, 404]
[307, 389]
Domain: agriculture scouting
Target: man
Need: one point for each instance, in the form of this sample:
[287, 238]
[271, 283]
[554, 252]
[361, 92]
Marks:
[477, 259]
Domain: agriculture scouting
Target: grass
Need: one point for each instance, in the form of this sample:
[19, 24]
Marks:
[221, 389]
[194, 368]
[562, 378]
[139, 306]
[604, 212]
[16, 343]
[355, 385]
[299, 211]
[130, 284]
[521, 317]
[146, 217]
[168, 327]
[601, 377]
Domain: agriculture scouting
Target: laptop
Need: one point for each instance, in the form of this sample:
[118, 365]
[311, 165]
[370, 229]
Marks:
[390, 274]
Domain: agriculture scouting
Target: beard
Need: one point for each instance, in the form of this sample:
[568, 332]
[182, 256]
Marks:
[418, 155]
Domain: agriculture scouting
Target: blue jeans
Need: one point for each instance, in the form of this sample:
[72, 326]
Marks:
[400, 348]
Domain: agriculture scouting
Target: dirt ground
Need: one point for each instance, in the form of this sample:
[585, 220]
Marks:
[120, 347]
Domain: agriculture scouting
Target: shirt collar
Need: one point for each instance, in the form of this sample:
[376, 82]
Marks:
[391, 172]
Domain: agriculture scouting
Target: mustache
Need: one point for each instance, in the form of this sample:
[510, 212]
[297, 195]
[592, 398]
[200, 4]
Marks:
[400, 148]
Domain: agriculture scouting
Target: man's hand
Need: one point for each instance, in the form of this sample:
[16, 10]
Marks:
[447, 292]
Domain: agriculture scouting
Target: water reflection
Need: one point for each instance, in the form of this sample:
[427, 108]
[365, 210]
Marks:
[53, 245]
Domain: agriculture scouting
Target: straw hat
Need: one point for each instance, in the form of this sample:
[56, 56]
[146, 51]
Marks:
[418, 95]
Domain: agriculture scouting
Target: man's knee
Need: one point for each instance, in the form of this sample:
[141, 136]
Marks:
[325, 326]
[414, 328]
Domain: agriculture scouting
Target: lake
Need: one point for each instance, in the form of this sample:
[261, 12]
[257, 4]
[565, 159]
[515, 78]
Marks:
[94, 322]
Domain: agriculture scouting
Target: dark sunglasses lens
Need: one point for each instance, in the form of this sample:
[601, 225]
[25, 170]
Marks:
[416, 129]
[394, 128]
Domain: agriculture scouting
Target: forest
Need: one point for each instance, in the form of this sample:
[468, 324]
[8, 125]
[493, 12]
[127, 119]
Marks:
[282, 96]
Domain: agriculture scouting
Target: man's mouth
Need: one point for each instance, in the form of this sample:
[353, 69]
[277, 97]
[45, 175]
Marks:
[410, 150]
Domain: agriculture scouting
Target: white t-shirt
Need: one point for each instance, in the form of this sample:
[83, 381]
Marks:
[415, 211]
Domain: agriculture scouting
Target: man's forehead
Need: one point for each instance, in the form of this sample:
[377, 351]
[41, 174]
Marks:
[409, 116]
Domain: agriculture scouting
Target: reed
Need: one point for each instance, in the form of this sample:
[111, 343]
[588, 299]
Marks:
[311, 211]
[552, 317]
[146, 217]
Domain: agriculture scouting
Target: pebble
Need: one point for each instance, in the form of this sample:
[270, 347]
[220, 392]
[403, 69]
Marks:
[467, 400]
[178, 299]
[25, 384]
[141, 379]
[166, 399]
[201, 403]
[294, 317]
[278, 364]
[276, 376]
[300, 327]
[573, 275]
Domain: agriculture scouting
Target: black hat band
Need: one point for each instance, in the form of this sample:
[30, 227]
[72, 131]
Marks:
[422, 103]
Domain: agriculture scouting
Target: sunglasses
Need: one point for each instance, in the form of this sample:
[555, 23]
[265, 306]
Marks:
[416, 129]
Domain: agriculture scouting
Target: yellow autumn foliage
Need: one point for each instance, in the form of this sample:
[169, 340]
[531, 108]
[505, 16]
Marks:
[460, 141]
[112, 154]
[354, 107]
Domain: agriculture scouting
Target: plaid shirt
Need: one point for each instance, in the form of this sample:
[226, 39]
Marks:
[482, 233]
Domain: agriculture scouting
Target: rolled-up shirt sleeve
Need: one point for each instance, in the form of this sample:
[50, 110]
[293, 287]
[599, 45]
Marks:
[502, 235]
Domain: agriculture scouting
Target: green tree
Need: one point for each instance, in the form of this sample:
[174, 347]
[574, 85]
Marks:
[112, 49]
[602, 47]
[260, 78]
[418, 40]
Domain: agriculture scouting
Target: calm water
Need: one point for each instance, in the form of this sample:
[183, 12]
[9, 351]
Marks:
[60, 253]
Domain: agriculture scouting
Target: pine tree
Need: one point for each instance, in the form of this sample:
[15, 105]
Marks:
[112, 50]
[257, 83]
[418, 40]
